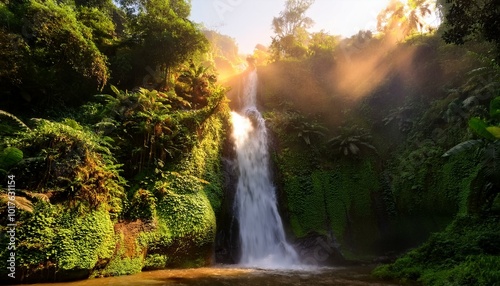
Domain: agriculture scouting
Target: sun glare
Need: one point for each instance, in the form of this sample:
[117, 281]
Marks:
[242, 126]
[360, 15]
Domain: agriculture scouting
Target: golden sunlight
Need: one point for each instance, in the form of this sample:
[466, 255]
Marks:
[242, 126]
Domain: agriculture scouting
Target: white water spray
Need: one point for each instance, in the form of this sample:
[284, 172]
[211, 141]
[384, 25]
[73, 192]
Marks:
[263, 242]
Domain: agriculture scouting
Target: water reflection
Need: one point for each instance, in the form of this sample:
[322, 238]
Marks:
[222, 276]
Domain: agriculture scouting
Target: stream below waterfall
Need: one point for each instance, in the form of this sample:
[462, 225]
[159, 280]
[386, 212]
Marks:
[225, 275]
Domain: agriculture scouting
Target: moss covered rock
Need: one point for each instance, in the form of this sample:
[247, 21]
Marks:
[185, 224]
[56, 243]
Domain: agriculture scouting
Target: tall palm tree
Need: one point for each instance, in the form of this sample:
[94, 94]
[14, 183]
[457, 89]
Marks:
[400, 20]
[417, 11]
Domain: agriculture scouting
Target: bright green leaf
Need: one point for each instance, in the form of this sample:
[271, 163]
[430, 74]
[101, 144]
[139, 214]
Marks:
[115, 90]
[479, 127]
[494, 130]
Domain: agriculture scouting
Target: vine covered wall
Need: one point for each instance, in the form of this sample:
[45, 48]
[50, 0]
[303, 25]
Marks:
[368, 209]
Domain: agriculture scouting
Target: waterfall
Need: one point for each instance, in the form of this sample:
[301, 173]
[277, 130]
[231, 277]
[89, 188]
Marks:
[262, 238]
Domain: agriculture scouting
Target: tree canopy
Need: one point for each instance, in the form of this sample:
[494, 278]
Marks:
[400, 19]
[290, 28]
[84, 45]
[472, 20]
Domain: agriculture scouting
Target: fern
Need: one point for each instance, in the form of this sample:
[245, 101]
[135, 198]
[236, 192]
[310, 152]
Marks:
[107, 97]
[21, 203]
[38, 196]
[15, 119]
[9, 157]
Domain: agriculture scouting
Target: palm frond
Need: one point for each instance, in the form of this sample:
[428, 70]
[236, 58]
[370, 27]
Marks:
[353, 148]
[369, 146]
[462, 147]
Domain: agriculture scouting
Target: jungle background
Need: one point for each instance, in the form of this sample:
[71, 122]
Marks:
[115, 123]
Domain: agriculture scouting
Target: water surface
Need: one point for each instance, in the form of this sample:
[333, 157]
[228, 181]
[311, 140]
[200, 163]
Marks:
[225, 276]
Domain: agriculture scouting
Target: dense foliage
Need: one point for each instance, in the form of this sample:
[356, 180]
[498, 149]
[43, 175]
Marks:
[378, 140]
[376, 161]
[123, 171]
[467, 20]
[58, 53]
[466, 253]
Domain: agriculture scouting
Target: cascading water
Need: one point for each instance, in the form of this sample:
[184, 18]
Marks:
[263, 242]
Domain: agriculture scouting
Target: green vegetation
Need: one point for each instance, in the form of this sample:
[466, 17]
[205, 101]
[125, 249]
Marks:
[360, 155]
[66, 162]
[122, 263]
[124, 180]
[55, 239]
[60, 53]
[72, 176]
[113, 125]
[466, 253]
[466, 21]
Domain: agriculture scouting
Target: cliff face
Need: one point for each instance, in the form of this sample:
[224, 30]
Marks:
[362, 208]
[363, 175]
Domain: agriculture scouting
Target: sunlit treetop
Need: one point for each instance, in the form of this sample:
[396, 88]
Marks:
[181, 8]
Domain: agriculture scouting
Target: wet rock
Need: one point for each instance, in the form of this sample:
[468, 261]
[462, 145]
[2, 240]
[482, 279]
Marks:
[317, 249]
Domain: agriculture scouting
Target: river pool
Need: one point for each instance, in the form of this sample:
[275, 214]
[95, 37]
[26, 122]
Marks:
[224, 275]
